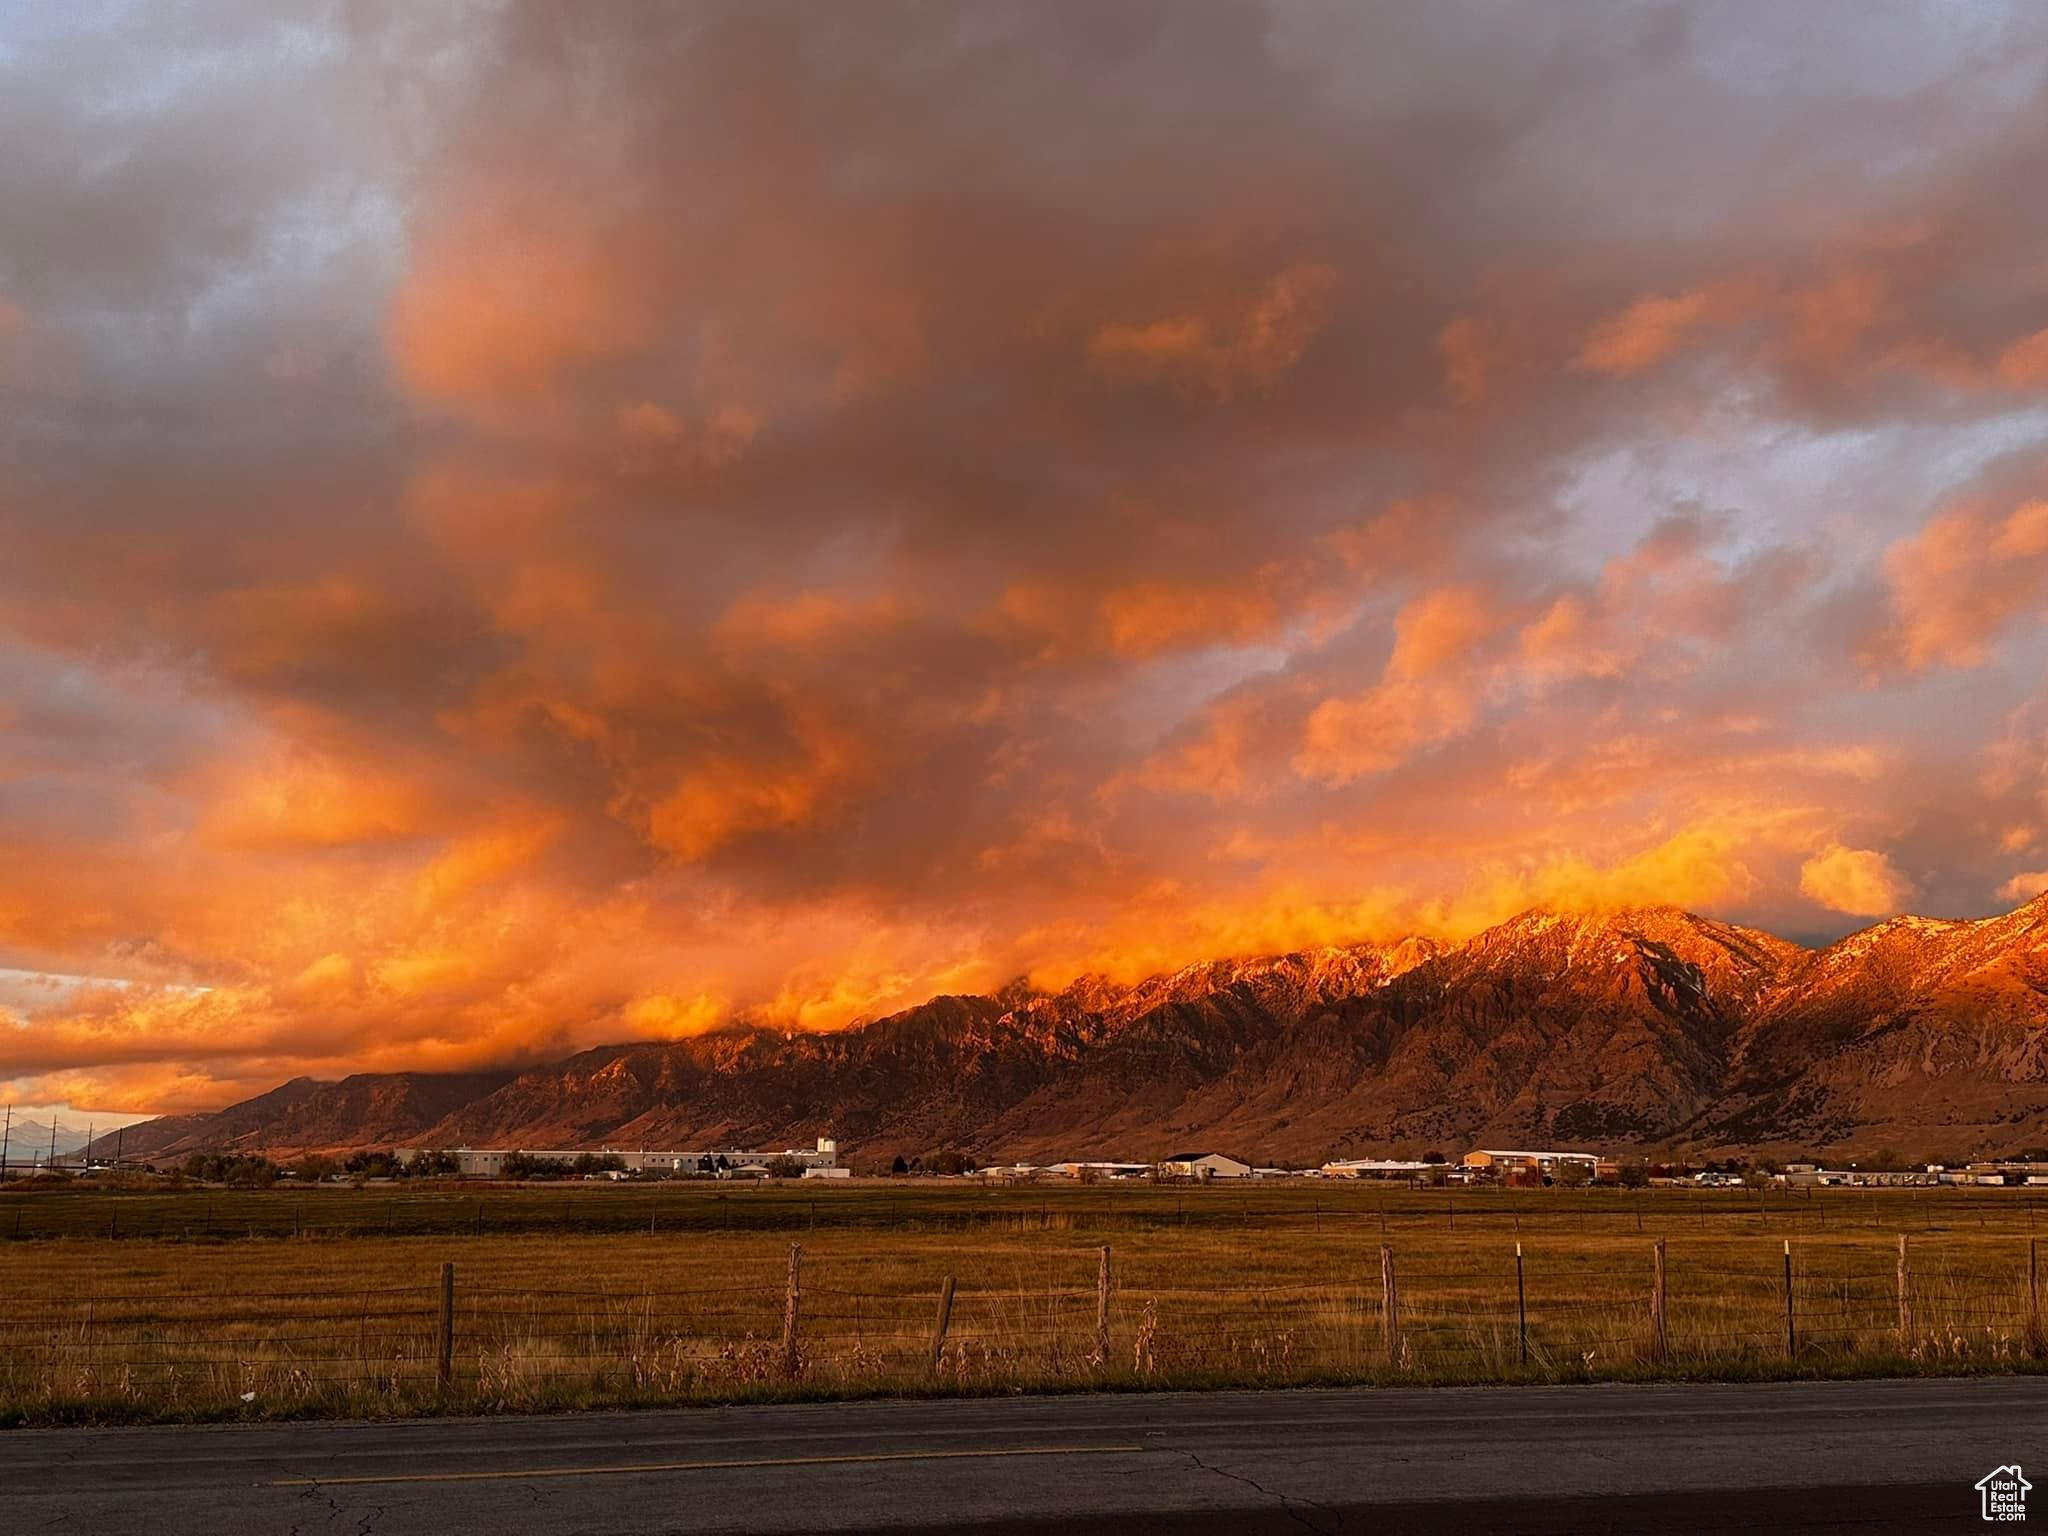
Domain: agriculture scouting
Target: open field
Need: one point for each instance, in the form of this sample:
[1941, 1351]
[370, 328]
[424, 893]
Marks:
[581, 1295]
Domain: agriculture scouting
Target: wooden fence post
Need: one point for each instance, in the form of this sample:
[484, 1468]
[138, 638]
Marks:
[444, 1364]
[2034, 1293]
[1905, 1288]
[1102, 1304]
[1660, 1301]
[1791, 1339]
[943, 1321]
[1521, 1307]
[792, 1303]
[1390, 1309]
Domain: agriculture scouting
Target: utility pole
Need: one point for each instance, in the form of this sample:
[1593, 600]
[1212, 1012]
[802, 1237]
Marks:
[117, 1144]
[52, 1165]
[6, 1136]
[88, 1143]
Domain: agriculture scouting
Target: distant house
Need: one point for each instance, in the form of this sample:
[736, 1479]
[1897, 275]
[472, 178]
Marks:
[1545, 1165]
[1203, 1165]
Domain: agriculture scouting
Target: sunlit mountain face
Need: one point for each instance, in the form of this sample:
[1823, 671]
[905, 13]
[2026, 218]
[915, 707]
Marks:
[528, 526]
[1645, 1027]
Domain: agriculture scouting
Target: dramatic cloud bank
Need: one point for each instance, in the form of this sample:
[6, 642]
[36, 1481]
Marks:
[527, 524]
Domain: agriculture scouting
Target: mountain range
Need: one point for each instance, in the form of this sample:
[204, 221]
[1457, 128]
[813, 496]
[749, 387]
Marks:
[1645, 1027]
[30, 1141]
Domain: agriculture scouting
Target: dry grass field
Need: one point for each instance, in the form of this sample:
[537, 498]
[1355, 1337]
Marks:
[197, 1304]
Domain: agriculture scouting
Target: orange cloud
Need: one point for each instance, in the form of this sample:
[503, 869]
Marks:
[507, 294]
[804, 621]
[2024, 886]
[1566, 641]
[1470, 355]
[1644, 334]
[1213, 762]
[1859, 881]
[2025, 363]
[1251, 343]
[1700, 867]
[484, 858]
[1828, 320]
[1423, 697]
[527, 555]
[292, 797]
[1149, 617]
[730, 797]
[1968, 574]
[667, 1016]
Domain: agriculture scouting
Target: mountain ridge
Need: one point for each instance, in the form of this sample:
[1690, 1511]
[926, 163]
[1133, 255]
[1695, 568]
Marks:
[1645, 1026]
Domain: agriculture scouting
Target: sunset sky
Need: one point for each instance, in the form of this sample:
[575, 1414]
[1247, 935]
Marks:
[531, 525]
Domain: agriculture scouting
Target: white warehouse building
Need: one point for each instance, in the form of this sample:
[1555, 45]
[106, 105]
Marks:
[1203, 1165]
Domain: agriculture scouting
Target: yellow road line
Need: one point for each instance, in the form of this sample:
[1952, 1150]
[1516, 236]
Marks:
[711, 1466]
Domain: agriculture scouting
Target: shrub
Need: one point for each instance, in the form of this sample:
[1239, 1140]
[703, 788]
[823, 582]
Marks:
[237, 1170]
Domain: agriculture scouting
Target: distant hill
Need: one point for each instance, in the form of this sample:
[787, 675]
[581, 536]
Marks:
[305, 1114]
[1643, 1027]
[30, 1139]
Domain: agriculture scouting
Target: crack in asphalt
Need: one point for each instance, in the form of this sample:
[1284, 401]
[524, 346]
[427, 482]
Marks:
[316, 1492]
[1286, 1501]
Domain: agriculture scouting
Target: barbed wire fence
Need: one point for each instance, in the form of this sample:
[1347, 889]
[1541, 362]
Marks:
[1547, 1310]
[688, 1206]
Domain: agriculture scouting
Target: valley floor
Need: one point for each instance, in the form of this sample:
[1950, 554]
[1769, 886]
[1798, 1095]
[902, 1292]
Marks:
[415, 1302]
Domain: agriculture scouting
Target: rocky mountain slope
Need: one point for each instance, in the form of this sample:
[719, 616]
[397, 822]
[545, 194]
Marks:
[368, 1109]
[1641, 1027]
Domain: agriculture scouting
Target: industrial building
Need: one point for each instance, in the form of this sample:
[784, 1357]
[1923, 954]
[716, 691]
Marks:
[1203, 1165]
[1377, 1168]
[1545, 1165]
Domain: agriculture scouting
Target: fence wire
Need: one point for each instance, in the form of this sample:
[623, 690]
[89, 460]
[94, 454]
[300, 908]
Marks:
[1547, 1312]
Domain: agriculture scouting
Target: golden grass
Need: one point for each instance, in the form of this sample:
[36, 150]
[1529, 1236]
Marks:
[1262, 1286]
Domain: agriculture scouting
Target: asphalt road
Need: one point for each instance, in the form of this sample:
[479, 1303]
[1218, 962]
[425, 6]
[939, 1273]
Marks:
[1846, 1456]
